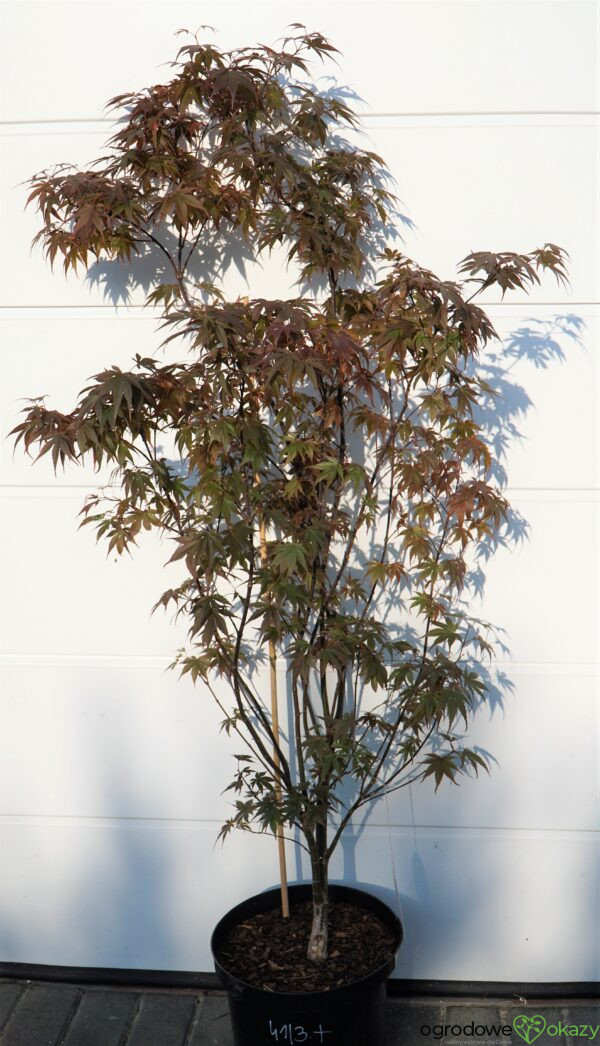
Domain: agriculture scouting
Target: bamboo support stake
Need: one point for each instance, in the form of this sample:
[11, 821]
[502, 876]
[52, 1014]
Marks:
[285, 907]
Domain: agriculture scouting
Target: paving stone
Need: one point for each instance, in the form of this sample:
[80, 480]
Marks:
[163, 1020]
[484, 1024]
[585, 1013]
[551, 1015]
[101, 1019]
[213, 1024]
[9, 993]
[41, 1016]
[404, 1020]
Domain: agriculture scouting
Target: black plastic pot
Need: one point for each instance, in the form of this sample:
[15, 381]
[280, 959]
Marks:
[350, 1016]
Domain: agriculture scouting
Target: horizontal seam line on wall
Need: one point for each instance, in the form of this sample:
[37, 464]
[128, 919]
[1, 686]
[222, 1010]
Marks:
[194, 822]
[165, 658]
[509, 491]
[484, 304]
[361, 115]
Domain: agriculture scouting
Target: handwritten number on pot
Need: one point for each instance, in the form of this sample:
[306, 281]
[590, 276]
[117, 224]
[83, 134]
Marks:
[295, 1034]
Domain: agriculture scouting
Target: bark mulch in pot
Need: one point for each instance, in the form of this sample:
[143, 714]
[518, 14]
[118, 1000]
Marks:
[269, 952]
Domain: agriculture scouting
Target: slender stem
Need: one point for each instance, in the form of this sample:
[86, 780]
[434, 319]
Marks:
[285, 907]
[318, 940]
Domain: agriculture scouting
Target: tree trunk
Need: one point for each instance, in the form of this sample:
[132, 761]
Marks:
[317, 944]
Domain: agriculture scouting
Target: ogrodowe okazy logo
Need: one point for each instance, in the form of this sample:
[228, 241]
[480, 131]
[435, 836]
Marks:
[528, 1026]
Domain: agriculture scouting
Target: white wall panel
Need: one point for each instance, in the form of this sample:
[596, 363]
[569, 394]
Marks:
[532, 588]
[114, 737]
[543, 350]
[53, 352]
[545, 420]
[146, 895]
[399, 56]
[91, 741]
[528, 590]
[133, 895]
[46, 609]
[466, 184]
[522, 902]
[496, 184]
[106, 283]
[541, 730]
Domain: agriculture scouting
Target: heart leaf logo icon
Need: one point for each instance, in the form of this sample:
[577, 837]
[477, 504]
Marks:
[529, 1028]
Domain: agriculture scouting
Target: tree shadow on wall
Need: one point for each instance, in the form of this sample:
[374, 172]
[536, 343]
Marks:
[502, 414]
[224, 252]
[221, 253]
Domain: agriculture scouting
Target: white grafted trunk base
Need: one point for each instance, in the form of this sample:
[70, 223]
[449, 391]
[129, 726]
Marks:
[317, 945]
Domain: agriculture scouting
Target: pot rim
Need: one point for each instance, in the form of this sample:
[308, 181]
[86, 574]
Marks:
[232, 982]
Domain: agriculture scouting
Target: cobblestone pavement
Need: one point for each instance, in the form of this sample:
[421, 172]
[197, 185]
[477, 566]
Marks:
[36, 1013]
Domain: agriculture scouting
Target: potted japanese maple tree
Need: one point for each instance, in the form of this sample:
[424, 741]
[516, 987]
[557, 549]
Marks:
[330, 490]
